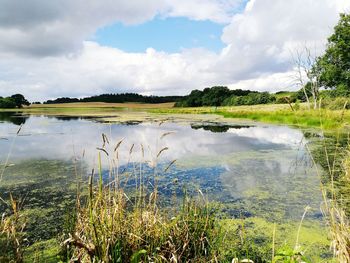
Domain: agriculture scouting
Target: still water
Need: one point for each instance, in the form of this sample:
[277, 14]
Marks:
[252, 170]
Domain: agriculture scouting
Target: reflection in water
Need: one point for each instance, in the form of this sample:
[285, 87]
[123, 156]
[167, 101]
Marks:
[13, 118]
[217, 127]
[260, 170]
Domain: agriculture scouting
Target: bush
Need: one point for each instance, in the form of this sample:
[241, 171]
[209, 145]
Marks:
[252, 98]
[7, 103]
[335, 104]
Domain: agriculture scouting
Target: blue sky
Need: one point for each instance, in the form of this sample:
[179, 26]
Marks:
[163, 34]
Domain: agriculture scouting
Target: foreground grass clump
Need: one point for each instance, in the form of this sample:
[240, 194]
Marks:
[336, 207]
[111, 228]
[12, 235]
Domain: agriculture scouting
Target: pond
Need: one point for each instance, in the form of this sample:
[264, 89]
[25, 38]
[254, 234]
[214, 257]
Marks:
[251, 169]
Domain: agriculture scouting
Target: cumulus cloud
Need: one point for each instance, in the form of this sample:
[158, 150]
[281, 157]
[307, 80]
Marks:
[43, 28]
[44, 52]
[98, 69]
[215, 10]
[263, 37]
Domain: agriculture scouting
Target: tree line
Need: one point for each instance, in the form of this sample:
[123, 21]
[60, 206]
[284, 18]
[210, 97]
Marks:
[14, 101]
[223, 96]
[118, 98]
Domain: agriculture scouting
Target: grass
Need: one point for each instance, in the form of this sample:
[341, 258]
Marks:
[119, 226]
[116, 226]
[274, 113]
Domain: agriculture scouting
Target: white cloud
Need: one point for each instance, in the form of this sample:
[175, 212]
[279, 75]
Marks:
[215, 10]
[99, 69]
[43, 28]
[267, 82]
[35, 34]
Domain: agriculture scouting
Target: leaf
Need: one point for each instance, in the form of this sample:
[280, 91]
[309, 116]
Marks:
[136, 257]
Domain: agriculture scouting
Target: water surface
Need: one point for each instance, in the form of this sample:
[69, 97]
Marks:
[252, 169]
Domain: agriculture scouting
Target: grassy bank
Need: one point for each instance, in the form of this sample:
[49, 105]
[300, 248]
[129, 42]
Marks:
[280, 114]
[270, 113]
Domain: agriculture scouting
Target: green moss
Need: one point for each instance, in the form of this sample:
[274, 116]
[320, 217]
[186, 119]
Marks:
[253, 238]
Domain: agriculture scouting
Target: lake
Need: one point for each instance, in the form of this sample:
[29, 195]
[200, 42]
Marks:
[251, 169]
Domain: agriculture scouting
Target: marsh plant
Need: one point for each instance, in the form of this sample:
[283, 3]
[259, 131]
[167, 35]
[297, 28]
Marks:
[116, 225]
[12, 236]
[336, 208]
[12, 222]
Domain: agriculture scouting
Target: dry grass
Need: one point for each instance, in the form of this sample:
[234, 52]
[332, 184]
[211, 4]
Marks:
[116, 226]
[12, 234]
[338, 219]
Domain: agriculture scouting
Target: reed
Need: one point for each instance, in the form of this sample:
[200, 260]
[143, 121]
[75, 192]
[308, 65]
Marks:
[336, 211]
[115, 226]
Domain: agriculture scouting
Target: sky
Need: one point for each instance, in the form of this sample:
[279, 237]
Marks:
[78, 48]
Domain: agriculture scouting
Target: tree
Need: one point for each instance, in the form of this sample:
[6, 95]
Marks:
[215, 96]
[7, 103]
[306, 74]
[334, 65]
[20, 100]
[304, 93]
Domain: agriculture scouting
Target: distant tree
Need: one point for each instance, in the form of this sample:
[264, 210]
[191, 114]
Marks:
[334, 65]
[252, 98]
[20, 100]
[7, 103]
[194, 99]
[215, 96]
[303, 93]
[62, 100]
[118, 98]
[222, 96]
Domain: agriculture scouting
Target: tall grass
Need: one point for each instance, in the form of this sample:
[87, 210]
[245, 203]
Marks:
[12, 225]
[281, 114]
[115, 226]
[336, 211]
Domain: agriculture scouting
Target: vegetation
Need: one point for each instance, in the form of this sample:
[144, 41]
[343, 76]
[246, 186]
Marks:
[294, 114]
[15, 101]
[118, 98]
[111, 229]
[334, 65]
[220, 96]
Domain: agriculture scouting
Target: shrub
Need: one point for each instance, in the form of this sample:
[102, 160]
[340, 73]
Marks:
[335, 103]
